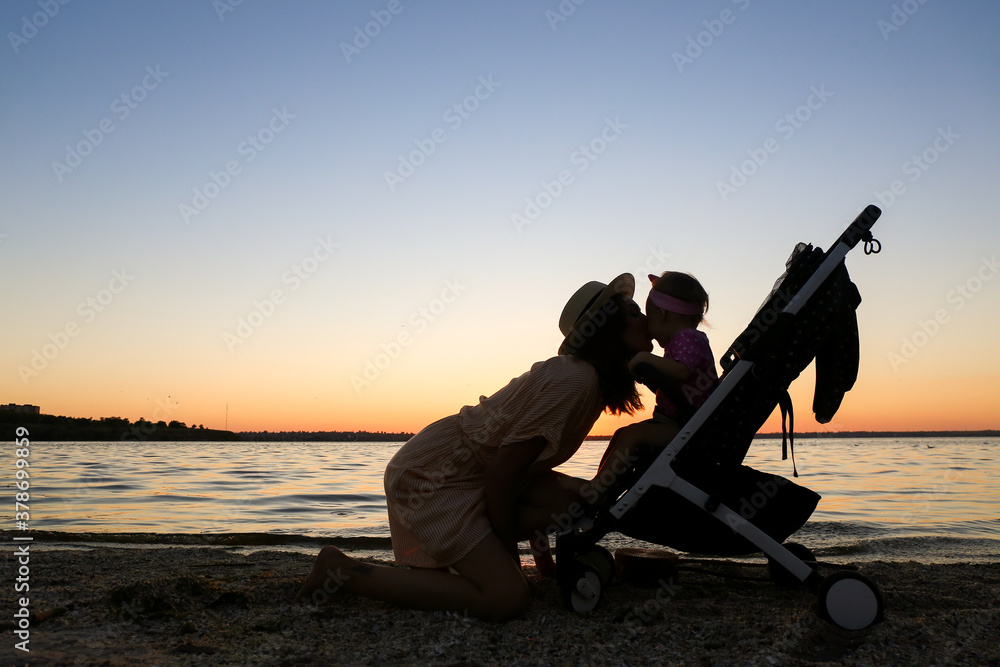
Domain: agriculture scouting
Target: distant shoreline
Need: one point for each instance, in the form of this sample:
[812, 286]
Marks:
[888, 434]
[866, 434]
[53, 428]
[56, 428]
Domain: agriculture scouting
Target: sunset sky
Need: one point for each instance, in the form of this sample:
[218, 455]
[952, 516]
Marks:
[364, 215]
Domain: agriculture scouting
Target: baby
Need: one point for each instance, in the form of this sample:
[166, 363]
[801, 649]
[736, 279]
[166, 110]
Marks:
[675, 307]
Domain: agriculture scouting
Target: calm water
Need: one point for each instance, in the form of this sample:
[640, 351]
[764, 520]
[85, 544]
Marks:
[933, 500]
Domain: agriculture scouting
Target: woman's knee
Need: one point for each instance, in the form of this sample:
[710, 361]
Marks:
[501, 592]
[505, 602]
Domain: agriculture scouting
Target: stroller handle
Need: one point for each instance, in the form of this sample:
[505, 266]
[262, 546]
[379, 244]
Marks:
[860, 229]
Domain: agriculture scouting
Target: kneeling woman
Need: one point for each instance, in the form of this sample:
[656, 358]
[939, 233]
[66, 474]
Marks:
[463, 491]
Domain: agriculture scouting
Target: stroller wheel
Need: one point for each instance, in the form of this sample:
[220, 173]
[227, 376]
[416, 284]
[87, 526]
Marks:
[601, 560]
[585, 592]
[850, 600]
[783, 577]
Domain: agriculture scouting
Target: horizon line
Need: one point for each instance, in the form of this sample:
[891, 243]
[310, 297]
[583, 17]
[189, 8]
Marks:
[802, 434]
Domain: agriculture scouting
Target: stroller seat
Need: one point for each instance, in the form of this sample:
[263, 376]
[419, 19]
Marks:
[695, 495]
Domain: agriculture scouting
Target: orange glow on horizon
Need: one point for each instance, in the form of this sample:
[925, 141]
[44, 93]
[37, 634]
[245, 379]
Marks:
[864, 409]
[264, 399]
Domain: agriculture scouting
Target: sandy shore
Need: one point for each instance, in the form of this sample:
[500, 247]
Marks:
[212, 606]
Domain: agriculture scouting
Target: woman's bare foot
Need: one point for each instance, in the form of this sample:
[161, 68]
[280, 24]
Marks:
[327, 577]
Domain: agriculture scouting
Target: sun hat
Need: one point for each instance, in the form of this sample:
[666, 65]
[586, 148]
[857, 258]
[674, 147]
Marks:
[584, 305]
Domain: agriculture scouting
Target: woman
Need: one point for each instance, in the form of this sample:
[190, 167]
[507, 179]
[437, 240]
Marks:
[463, 491]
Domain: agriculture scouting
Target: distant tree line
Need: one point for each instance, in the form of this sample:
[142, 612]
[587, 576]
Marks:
[888, 434]
[55, 428]
[106, 429]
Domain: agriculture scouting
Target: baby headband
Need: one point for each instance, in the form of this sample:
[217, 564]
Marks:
[673, 304]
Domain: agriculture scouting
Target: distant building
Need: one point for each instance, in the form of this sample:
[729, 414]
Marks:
[22, 409]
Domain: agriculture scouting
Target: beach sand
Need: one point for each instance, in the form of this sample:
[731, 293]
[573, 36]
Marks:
[215, 606]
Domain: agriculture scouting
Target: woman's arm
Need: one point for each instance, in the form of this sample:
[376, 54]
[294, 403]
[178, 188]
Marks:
[504, 481]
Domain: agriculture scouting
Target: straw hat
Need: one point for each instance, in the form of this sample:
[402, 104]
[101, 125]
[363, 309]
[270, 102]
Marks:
[586, 302]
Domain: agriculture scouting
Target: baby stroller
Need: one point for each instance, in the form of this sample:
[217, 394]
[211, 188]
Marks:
[696, 496]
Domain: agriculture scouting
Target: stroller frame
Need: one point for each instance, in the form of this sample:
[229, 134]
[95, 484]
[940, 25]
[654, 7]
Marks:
[848, 599]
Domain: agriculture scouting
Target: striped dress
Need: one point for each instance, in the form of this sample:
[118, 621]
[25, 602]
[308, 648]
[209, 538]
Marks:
[435, 485]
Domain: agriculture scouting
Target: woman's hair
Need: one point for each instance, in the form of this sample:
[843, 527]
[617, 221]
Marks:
[605, 349]
[685, 287]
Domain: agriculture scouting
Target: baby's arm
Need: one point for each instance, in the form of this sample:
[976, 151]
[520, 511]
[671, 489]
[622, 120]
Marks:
[669, 368]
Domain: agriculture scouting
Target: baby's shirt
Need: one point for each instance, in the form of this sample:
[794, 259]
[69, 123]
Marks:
[690, 347]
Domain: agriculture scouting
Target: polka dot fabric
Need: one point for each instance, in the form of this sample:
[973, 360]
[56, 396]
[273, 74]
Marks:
[691, 348]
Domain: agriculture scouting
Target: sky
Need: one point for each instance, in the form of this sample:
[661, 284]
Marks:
[365, 215]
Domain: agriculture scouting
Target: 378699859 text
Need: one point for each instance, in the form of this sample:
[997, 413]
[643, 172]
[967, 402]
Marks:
[22, 484]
